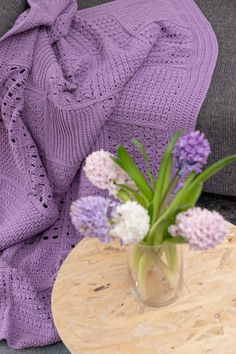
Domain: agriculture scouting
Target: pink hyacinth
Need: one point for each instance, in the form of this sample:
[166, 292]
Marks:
[104, 173]
[204, 229]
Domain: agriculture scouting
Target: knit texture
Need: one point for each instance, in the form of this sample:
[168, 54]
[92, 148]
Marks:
[71, 83]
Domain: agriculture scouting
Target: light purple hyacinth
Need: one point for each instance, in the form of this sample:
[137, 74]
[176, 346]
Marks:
[191, 153]
[90, 216]
[204, 229]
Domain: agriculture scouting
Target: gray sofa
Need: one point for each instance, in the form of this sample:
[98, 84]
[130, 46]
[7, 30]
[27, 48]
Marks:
[218, 114]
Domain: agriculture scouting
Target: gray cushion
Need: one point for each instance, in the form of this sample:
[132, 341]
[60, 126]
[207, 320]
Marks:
[218, 114]
[9, 11]
[82, 4]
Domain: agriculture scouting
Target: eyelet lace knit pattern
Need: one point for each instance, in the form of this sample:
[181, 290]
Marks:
[72, 82]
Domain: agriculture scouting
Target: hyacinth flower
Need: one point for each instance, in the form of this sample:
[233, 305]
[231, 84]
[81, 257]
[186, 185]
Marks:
[165, 196]
[131, 222]
[168, 199]
[90, 216]
[105, 174]
[102, 218]
[186, 155]
[203, 229]
[191, 153]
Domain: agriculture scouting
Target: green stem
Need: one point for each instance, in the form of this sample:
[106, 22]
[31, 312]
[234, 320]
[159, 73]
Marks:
[185, 190]
[156, 234]
[172, 257]
[167, 196]
[143, 267]
[171, 271]
[135, 258]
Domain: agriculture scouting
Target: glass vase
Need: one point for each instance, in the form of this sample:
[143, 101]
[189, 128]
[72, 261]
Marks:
[156, 272]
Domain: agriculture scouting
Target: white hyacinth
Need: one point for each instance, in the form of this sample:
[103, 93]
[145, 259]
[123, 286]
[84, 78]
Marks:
[131, 222]
[104, 173]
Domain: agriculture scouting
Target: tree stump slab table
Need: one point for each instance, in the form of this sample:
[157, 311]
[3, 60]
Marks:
[95, 311]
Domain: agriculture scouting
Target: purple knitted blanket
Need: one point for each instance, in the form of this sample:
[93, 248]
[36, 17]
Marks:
[72, 82]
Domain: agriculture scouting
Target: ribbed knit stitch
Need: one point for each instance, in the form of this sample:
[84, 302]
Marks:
[70, 83]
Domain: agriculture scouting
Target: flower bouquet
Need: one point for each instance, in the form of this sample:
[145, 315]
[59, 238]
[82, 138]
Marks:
[153, 215]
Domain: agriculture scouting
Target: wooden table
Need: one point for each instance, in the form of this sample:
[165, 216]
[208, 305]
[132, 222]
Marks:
[95, 312]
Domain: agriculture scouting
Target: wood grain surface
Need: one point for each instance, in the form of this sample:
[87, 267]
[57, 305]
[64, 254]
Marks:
[95, 311]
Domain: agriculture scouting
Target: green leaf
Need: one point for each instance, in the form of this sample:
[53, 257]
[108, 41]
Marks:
[140, 198]
[175, 240]
[164, 176]
[191, 190]
[142, 149]
[126, 162]
[213, 169]
[189, 194]
[150, 209]
[184, 200]
[189, 180]
[123, 196]
[126, 187]
[193, 197]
